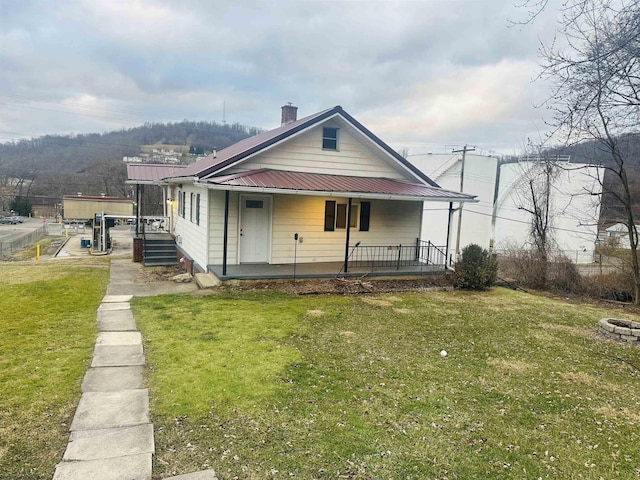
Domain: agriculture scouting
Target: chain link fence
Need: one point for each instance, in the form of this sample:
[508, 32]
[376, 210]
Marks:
[9, 247]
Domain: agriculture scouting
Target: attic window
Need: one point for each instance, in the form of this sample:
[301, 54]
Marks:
[329, 138]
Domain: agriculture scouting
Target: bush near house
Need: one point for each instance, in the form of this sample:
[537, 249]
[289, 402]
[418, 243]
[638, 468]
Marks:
[476, 270]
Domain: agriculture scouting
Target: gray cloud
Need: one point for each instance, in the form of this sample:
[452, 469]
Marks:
[413, 71]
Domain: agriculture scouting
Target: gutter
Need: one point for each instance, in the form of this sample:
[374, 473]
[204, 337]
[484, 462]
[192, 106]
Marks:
[328, 193]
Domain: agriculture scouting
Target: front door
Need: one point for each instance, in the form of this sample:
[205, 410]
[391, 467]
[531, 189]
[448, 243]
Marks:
[255, 219]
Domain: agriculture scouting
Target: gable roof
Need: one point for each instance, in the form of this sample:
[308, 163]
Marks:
[237, 152]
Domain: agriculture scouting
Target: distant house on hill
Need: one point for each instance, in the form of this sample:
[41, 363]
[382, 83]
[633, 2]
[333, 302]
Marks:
[322, 192]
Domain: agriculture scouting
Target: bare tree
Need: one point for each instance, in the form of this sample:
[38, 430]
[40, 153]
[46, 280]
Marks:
[597, 94]
[533, 195]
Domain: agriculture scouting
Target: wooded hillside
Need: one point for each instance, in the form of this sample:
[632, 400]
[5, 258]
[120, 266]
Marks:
[45, 168]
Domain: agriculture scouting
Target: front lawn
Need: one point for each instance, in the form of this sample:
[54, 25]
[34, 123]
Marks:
[263, 385]
[48, 324]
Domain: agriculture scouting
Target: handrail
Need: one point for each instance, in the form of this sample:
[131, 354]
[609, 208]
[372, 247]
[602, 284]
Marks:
[422, 253]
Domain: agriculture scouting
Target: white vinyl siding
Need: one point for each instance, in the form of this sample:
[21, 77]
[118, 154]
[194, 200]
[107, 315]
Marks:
[191, 237]
[305, 154]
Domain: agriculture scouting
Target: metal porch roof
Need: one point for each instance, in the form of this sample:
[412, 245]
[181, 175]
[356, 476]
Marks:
[338, 185]
[149, 173]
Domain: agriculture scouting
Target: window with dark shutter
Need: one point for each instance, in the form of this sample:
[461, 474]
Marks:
[329, 215]
[341, 215]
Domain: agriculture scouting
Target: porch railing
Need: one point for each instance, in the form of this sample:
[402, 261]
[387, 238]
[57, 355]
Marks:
[420, 254]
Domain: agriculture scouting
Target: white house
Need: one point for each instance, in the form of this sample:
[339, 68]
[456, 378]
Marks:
[322, 190]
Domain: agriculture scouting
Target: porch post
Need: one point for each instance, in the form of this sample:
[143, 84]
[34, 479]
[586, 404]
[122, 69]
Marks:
[226, 232]
[346, 247]
[446, 249]
[137, 209]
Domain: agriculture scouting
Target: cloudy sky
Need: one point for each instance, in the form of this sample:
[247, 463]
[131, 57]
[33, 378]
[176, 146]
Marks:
[423, 74]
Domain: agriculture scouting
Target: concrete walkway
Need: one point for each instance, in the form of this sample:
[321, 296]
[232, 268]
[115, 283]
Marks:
[111, 433]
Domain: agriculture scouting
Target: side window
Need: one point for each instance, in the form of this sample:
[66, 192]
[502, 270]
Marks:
[330, 138]
[191, 209]
[184, 204]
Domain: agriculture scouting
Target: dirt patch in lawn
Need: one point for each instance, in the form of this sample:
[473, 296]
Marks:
[158, 274]
[341, 286]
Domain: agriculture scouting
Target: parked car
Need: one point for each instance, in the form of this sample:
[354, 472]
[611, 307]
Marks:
[7, 220]
[17, 219]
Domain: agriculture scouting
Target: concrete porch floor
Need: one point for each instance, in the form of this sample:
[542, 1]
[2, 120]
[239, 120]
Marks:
[318, 270]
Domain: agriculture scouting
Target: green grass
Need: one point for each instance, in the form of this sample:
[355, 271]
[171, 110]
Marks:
[48, 332]
[264, 385]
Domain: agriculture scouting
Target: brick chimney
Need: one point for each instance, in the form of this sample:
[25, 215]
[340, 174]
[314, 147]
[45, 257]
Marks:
[289, 114]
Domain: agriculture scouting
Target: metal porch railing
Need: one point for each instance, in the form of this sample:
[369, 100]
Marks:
[421, 254]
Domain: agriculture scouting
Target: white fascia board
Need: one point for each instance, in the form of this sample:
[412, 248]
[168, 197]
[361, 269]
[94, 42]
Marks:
[322, 193]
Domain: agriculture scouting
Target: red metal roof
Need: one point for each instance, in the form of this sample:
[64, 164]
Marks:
[315, 182]
[144, 172]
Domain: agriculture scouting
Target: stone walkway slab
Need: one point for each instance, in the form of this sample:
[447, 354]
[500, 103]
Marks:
[109, 443]
[111, 379]
[134, 467]
[116, 321]
[97, 410]
[116, 298]
[119, 338]
[104, 307]
[117, 355]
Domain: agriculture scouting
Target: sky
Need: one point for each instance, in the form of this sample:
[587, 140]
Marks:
[426, 75]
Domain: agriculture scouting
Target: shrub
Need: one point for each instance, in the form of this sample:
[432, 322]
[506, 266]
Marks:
[477, 269]
[563, 275]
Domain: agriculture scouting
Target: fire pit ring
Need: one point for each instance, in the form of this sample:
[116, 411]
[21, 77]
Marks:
[620, 330]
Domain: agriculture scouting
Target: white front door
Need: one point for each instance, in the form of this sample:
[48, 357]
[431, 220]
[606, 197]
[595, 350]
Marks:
[255, 220]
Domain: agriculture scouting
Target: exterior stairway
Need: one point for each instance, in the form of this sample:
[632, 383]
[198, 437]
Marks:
[159, 249]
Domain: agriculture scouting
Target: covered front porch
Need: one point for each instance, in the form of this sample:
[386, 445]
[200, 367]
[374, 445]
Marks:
[421, 258]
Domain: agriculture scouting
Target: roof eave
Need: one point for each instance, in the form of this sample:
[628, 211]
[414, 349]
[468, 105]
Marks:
[329, 193]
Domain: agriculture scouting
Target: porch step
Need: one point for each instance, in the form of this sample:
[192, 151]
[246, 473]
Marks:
[207, 280]
[159, 251]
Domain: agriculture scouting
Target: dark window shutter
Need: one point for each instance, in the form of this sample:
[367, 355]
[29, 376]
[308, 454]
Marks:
[365, 213]
[329, 216]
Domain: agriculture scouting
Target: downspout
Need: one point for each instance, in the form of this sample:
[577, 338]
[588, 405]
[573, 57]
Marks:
[226, 233]
[446, 248]
[346, 247]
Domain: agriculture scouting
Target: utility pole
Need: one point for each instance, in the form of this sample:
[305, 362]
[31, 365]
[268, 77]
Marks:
[464, 151]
